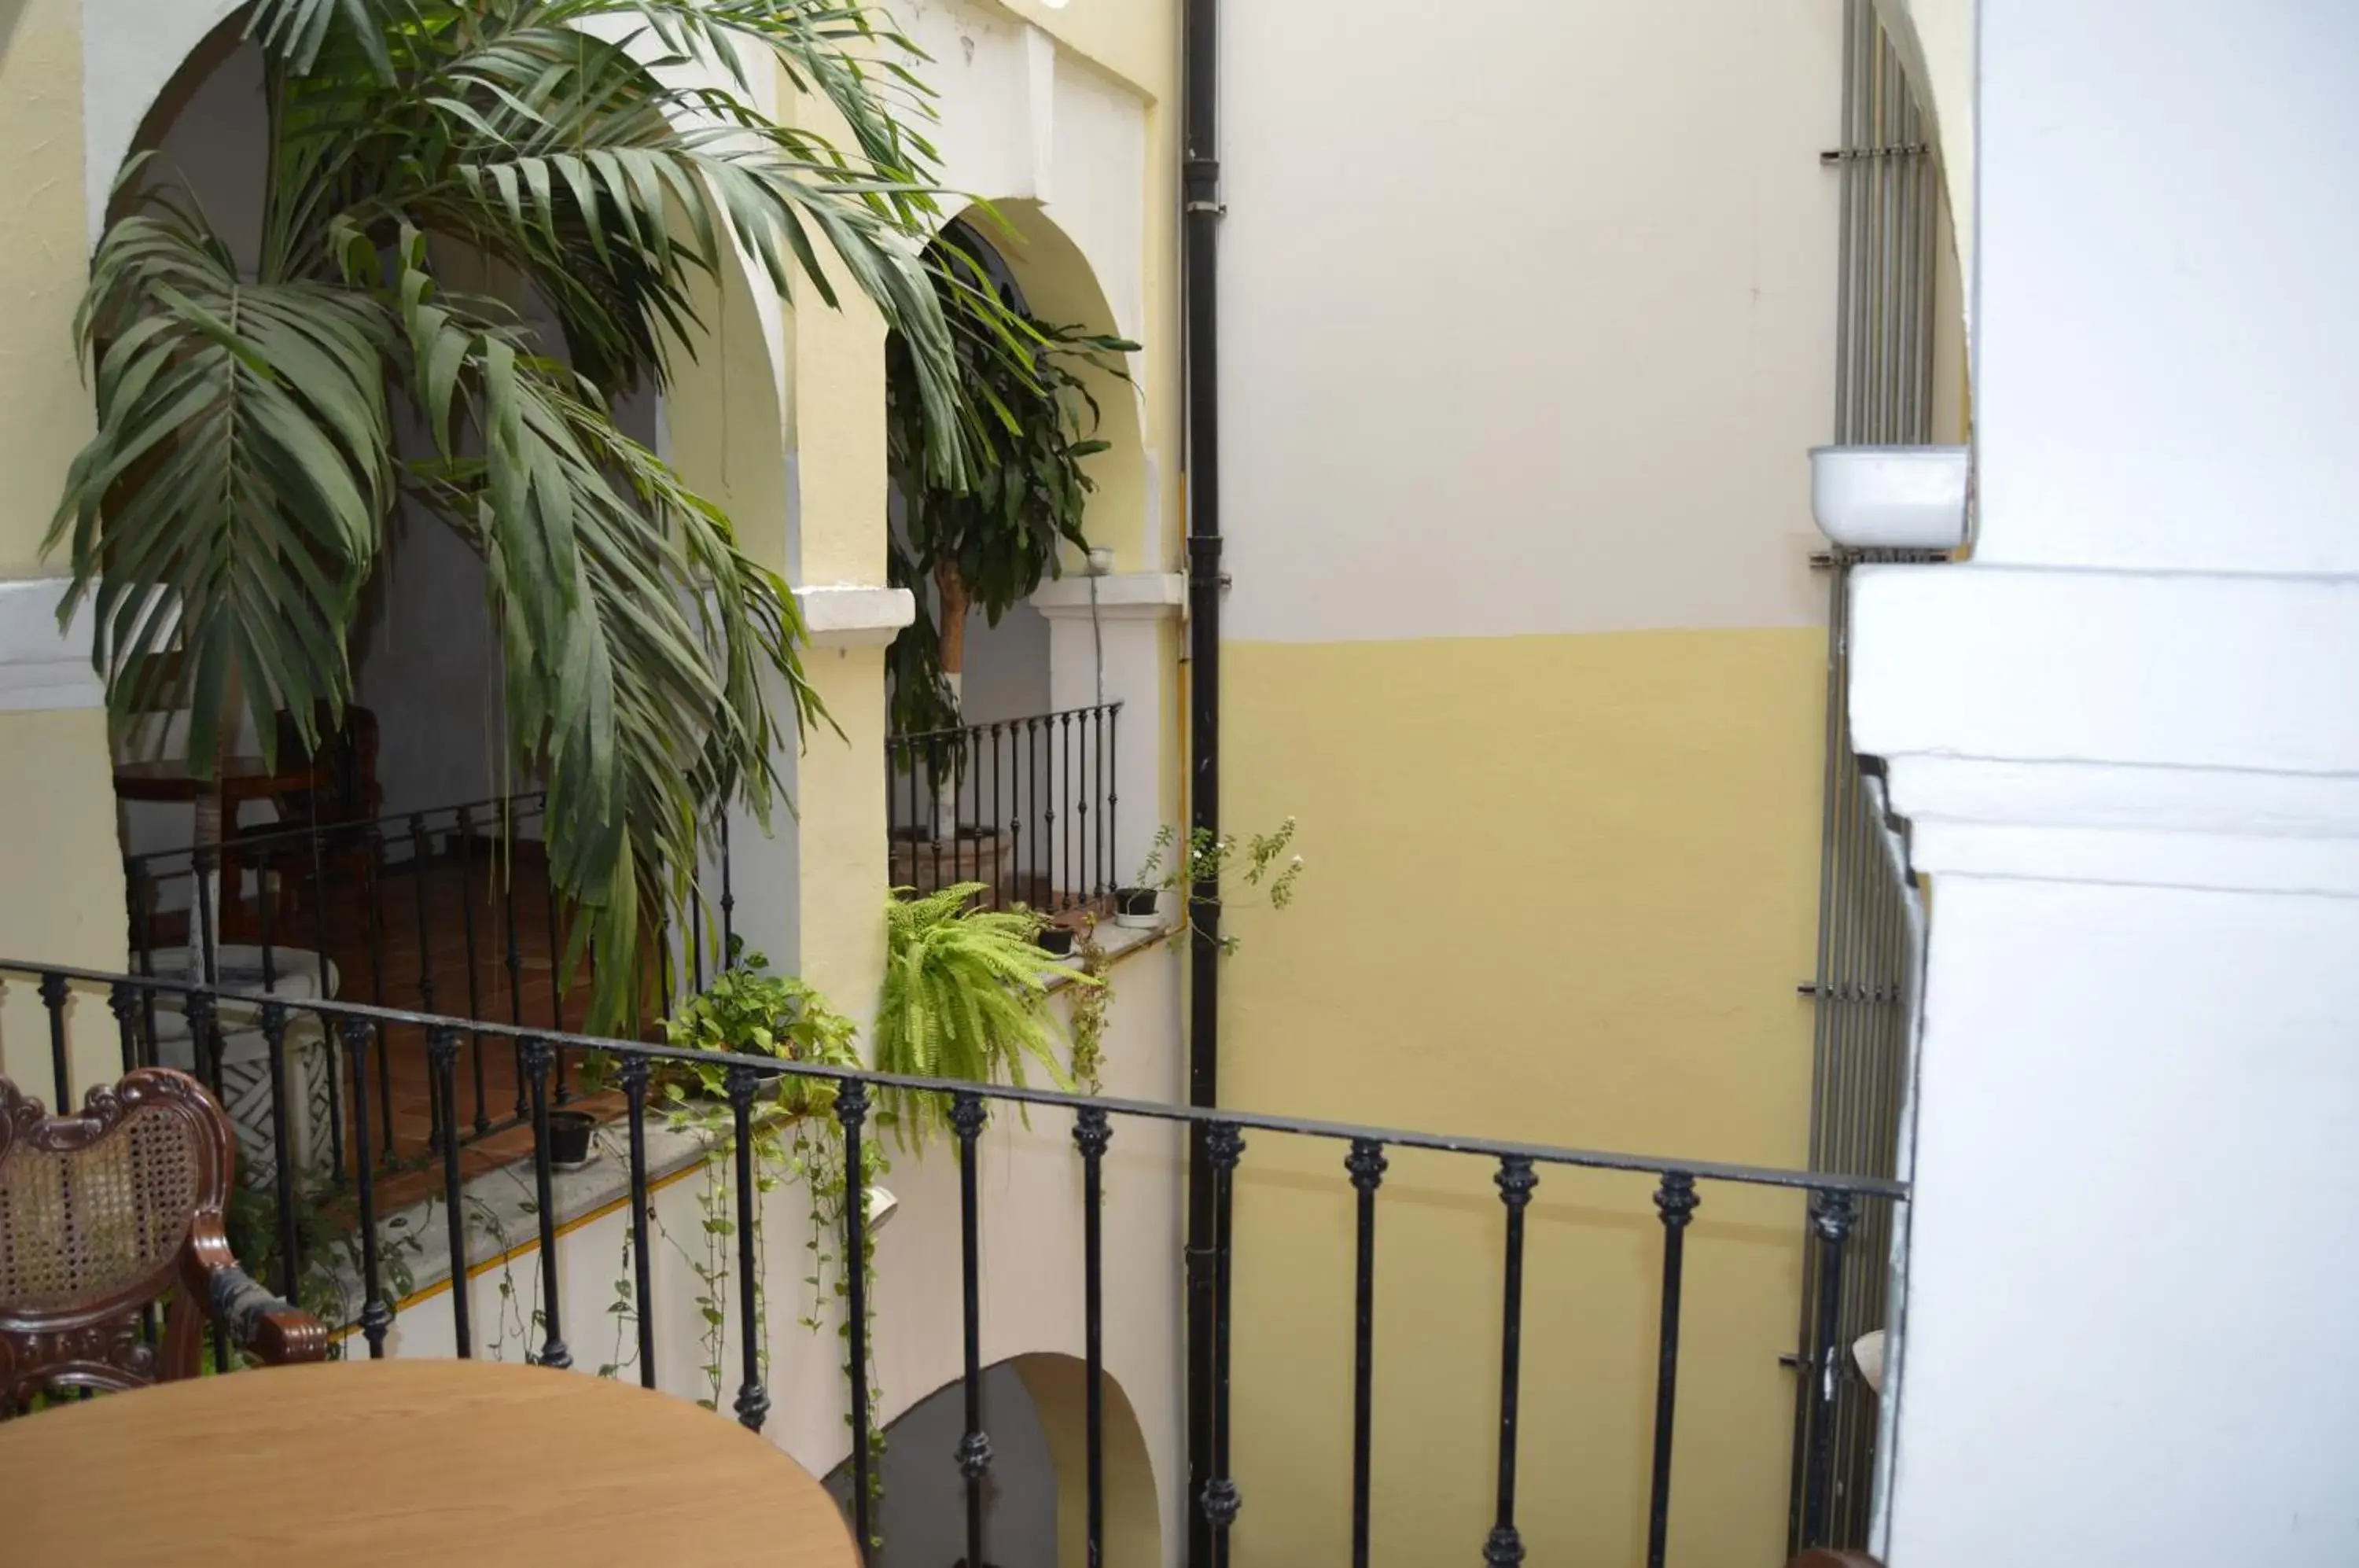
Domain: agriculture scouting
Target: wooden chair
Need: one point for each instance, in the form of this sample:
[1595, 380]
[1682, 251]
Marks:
[345, 796]
[102, 1214]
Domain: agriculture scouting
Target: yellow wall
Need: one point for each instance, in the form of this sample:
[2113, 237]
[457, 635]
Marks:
[1558, 888]
[61, 872]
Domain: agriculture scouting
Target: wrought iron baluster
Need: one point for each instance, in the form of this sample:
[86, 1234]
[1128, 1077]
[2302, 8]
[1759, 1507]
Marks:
[753, 1399]
[475, 966]
[143, 941]
[327, 1048]
[376, 1316]
[282, 1149]
[728, 897]
[262, 874]
[634, 1079]
[442, 1061]
[122, 1001]
[973, 1454]
[1091, 1132]
[373, 893]
[553, 1353]
[1224, 1144]
[1515, 1180]
[1367, 1165]
[515, 954]
[1676, 1200]
[1831, 1219]
[850, 1112]
[53, 997]
[1114, 799]
[1074, 813]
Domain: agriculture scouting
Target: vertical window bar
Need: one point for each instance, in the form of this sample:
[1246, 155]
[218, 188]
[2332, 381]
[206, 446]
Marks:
[553, 1353]
[1676, 1200]
[1111, 874]
[443, 1060]
[967, 1117]
[1367, 1165]
[1515, 1178]
[376, 1316]
[1093, 1131]
[1831, 1218]
[1224, 1144]
[514, 957]
[728, 894]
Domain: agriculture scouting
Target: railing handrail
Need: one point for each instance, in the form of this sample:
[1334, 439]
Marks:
[1153, 1110]
[524, 802]
[915, 737]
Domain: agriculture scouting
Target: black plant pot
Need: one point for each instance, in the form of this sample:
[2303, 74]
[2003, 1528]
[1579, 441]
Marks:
[1138, 906]
[1057, 941]
[568, 1138]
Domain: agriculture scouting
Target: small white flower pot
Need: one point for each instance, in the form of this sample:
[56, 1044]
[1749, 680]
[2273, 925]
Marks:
[1891, 498]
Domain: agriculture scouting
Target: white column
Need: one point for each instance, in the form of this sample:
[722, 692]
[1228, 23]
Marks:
[1115, 650]
[2127, 742]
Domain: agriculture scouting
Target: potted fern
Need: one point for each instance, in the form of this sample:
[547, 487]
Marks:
[965, 997]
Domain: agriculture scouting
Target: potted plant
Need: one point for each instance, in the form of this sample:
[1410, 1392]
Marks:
[1261, 862]
[965, 996]
[1056, 941]
[569, 1145]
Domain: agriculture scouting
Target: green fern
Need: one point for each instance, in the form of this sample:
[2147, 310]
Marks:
[966, 997]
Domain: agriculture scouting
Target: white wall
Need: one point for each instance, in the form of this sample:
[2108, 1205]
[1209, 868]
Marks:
[2165, 357]
[2123, 740]
[1545, 290]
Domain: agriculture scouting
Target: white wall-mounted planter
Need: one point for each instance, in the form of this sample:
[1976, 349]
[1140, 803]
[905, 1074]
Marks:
[1890, 498]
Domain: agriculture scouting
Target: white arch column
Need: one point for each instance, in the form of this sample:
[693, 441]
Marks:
[2127, 742]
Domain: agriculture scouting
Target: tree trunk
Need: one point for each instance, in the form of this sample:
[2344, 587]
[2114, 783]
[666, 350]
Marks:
[951, 589]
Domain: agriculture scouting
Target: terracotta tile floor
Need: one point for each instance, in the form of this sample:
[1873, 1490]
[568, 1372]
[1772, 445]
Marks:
[423, 960]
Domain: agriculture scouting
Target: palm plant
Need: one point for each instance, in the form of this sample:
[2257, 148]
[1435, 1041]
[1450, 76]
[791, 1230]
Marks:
[965, 997]
[235, 500]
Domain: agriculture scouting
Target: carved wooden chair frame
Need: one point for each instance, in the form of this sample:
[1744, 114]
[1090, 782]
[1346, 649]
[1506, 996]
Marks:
[97, 1343]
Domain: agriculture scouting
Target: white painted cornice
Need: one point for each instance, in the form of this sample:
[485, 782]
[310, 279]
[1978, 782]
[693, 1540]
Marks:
[1121, 597]
[845, 614]
[2153, 729]
[41, 666]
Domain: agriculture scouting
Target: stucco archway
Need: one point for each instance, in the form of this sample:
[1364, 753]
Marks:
[1061, 286]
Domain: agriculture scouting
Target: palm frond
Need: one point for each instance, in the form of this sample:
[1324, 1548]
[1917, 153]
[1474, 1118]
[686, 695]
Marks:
[231, 503]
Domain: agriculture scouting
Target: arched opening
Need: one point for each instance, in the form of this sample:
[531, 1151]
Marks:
[1036, 1492]
[426, 885]
[1003, 776]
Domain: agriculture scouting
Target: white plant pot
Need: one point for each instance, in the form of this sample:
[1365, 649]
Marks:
[1891, 498]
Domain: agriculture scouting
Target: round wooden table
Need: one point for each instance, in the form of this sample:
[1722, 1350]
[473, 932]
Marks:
[366, 1464]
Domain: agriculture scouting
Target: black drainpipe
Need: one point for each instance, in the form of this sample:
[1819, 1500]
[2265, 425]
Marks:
[1201, 193]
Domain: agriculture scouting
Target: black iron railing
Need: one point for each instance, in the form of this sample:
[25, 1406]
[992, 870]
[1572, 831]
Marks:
[1027, 807]
[428, 912]
[1836, 1204]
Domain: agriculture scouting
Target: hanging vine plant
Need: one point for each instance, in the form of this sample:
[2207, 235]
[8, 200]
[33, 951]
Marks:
[986, 532]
